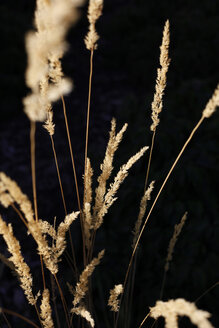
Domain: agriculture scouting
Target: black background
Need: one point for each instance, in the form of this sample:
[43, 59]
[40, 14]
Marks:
[125, 67]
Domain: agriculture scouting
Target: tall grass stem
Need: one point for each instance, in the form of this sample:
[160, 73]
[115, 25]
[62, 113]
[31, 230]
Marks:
[15, 314]
[33, 172]
[154, 203]
[75, 176]
[149, 160]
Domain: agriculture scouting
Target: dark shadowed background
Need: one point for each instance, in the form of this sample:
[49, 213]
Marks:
[125, 67]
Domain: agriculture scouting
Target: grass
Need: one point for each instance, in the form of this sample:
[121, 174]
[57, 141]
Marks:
[90, 223]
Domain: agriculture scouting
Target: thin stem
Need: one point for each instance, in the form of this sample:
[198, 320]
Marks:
[207, 291]
[75, 175]
[58, 173]
[88, 116]
[38, 314]
[163, 284]
[19, 316]
[149, 160]
[33, 172]
[19, 214]
[87, 125]
[162, 187]
[33, 165]
[145, 318]
[63, 301]
[131, 284]
[63, 200]
[90, 251]
[71, 152]
[6, 320]
[155, 201]
[54, 301]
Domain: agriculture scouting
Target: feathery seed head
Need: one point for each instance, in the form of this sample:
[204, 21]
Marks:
[46, 311]
[109, 197]
[157, 103]
[95, 9]
[17, 259]
[45, 48]
[80, 310]
[113, 301]
[177, 230]
[142, 210]
[212, 104]
[82, 286]
[171, 309]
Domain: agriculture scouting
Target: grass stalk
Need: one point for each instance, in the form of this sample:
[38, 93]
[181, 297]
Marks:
[6, 320]
[33, 172]
[54, 301]
[71, 152]
[75, 178]
[143, 321]
[38, 314]
[63, 201]
[15, 314]
[149, 160]
[154, 203]
[88, 116]
[207, 291]
[58, 173]
[19, 214]
[63, 302]
[163, 284]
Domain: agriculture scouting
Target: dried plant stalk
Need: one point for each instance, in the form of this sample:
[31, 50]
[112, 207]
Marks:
[107, 165]
[81, 311]
[173, 240]
[14, 194]
[173, 308]
[157, 103]
[45, 48]
[113, 301]
[212, 104]
[38, 229]
[95, 9]
[87, 218]
[82, 286]
[8, 263]
[46, 310]
[60, 242]
[17, 259]
[51, 254]
[142, 210]
[110, 198]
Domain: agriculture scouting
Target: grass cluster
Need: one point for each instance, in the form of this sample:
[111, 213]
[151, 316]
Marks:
[60, 303]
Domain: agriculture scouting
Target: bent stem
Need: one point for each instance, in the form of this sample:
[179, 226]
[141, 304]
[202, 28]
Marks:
[33, 172]
[154, 203]
[15, 314]
[145, 318]
[6, 320]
